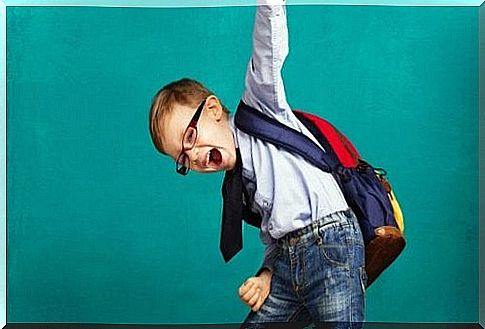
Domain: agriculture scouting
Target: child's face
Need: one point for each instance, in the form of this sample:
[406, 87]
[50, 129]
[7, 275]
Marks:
[214, 148]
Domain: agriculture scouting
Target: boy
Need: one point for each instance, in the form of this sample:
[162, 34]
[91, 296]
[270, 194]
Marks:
[313, 267]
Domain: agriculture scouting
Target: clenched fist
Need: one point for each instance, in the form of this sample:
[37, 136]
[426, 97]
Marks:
[254, 291]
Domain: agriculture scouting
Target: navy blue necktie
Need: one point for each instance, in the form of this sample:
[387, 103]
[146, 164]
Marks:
[232, 211]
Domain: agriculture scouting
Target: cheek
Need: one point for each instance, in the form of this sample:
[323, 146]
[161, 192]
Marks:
[214, 133]
[207, 134]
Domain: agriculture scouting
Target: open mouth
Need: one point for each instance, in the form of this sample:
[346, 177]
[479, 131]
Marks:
[214, 157]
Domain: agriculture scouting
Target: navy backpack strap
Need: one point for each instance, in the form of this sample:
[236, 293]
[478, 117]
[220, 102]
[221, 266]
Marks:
[257, 124]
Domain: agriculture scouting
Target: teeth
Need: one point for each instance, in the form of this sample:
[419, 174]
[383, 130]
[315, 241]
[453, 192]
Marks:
[208, 157]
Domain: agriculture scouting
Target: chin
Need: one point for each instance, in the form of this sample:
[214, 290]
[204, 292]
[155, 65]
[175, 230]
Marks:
[214, 170]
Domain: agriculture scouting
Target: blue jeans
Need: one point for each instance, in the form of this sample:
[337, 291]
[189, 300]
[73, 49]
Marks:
[318, 276]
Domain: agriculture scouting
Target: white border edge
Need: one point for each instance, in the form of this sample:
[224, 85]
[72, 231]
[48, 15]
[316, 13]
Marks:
[3, 156]
[3, 117]
[223, 3]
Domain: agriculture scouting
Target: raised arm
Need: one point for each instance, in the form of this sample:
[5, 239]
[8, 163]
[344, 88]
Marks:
[264, 89]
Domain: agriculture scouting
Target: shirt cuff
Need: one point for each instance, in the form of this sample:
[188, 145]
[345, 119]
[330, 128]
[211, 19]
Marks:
[270, 255]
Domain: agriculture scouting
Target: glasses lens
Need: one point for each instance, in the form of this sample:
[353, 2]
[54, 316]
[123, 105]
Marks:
[190, 137]
[183, 164]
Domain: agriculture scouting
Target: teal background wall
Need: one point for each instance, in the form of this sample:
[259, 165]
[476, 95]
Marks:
[101, 229]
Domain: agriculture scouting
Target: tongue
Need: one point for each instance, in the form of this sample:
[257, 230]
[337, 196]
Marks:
[215, 157]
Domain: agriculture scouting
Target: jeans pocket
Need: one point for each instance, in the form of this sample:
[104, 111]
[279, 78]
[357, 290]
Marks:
[335, 244]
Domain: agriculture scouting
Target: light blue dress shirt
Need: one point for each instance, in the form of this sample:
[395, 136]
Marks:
[287, 191]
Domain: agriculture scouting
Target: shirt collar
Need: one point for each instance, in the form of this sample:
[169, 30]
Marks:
[233, 128]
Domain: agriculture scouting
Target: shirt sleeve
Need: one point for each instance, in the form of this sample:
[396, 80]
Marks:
[271, 252]
[264, 89]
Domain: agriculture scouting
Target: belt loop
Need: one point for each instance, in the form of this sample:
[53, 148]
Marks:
[315, 227]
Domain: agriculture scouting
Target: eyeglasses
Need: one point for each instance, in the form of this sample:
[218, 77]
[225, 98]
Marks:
[188, 142]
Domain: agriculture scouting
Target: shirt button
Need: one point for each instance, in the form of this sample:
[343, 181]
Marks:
[270, 226]
[265, 204]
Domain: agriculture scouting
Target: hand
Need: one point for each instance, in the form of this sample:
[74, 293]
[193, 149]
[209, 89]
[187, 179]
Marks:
[254, 291]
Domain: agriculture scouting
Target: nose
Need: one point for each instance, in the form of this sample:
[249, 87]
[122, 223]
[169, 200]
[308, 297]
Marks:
[193, 155]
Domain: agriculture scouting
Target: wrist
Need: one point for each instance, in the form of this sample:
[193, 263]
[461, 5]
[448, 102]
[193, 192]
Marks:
[265, 274]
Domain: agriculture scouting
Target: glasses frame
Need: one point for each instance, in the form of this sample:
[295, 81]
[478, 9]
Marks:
[183, 158]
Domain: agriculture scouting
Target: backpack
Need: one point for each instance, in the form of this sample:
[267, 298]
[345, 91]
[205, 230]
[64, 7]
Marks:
[365, 188]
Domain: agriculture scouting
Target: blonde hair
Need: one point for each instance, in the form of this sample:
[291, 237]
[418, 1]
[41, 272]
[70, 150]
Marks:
[187, 92]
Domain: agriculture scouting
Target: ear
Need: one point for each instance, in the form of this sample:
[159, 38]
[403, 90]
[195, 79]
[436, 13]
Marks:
[214, 107]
